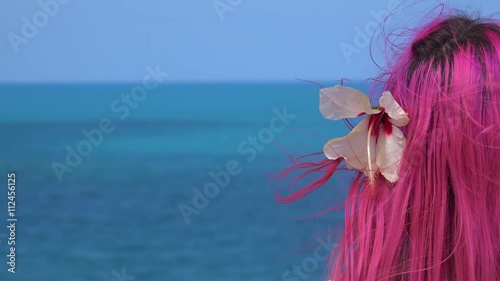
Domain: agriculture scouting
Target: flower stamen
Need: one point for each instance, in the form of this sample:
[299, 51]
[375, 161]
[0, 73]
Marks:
[370, 172]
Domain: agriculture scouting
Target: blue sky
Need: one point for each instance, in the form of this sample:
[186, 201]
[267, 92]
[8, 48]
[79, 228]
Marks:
[202, 40]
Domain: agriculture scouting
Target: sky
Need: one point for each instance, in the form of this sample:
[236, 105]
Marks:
[66, 41]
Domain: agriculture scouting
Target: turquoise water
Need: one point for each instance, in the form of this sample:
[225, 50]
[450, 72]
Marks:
[117, 208]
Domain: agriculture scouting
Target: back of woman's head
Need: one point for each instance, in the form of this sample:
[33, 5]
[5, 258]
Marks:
[441, 219]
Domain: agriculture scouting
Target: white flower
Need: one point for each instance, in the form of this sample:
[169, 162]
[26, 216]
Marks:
[376, 143]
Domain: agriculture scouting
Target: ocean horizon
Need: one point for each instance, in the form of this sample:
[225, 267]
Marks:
[174, 184]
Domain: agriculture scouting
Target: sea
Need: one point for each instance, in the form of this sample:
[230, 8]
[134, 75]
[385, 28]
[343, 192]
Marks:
[175, 183]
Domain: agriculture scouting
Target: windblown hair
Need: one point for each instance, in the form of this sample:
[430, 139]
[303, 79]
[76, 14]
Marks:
[441, 219]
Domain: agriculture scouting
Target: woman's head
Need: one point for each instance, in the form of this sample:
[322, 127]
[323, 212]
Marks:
[441, 219]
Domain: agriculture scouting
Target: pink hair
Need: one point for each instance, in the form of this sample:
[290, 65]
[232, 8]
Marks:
[441, 219]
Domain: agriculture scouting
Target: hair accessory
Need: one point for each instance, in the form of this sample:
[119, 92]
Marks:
[376, 144]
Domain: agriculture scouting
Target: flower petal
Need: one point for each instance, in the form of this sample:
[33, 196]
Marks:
[343, 102]
[353, 148]
[397, 115]
[389, 152]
